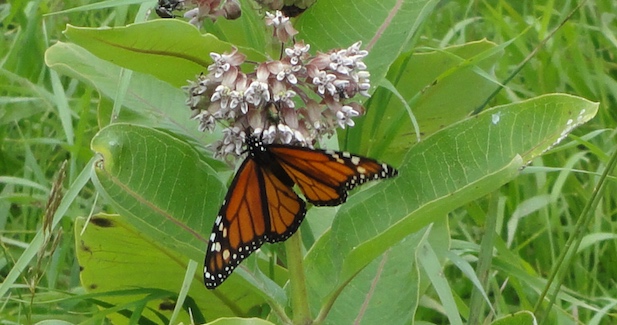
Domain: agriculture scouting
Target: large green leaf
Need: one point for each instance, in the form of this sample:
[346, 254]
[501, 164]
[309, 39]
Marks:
[248, 31]
[166, 189]
[442, 87]
[389, 288]
[172, 50]
[161, 183]
[386, 28]
[455, 165]
[148, 101]
[115, 258]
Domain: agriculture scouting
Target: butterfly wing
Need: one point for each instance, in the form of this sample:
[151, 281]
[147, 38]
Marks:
[287, 210]
[258, 207]
[261, 206]
[326, 176]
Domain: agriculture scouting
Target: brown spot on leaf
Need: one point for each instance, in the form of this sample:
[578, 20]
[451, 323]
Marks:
[85, 247]
[167, 305]
[102, 222]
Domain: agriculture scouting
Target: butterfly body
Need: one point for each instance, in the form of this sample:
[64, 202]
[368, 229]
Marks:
[264, 158]
[261, 205]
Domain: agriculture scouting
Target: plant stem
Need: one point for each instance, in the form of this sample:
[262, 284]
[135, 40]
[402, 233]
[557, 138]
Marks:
[297, 280]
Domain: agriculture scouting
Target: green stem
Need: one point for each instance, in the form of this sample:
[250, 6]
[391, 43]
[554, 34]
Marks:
[279, 311]
[297, 280]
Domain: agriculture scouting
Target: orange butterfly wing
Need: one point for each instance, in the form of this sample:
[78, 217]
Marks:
[258, 207]
[326, 176]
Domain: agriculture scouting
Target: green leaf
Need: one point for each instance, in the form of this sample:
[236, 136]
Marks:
[385, 28]
[594, 239]
[519, 318]
[248, 31]
[240, 321]
[148, 100]
[169, 49]
[114, 256]
[455, 165]
[166, 189]
[442, 87]
[161, 183]
[432, 268]
[376, 295]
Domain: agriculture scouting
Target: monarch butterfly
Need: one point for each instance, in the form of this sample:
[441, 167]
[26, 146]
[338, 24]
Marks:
[261, 205]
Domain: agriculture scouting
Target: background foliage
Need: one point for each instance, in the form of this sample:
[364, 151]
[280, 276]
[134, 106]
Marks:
[444, 242]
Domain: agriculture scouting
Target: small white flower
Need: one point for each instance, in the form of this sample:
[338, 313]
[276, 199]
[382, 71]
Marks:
[345, 116]
[232, 142]
[268, 135]
[220, 65]
[299, 137]
[222, 94]
[207, 122]
[289, 74]
[324, 81]
[296, 53]
[258, 92]
[285, 98]
[285, 133]
[276, 19]
[354, 49]
[237, 98]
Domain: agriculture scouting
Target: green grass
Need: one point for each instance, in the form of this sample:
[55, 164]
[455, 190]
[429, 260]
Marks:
[47, 118]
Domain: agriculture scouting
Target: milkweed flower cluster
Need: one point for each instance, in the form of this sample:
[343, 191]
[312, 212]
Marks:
[294, 100]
